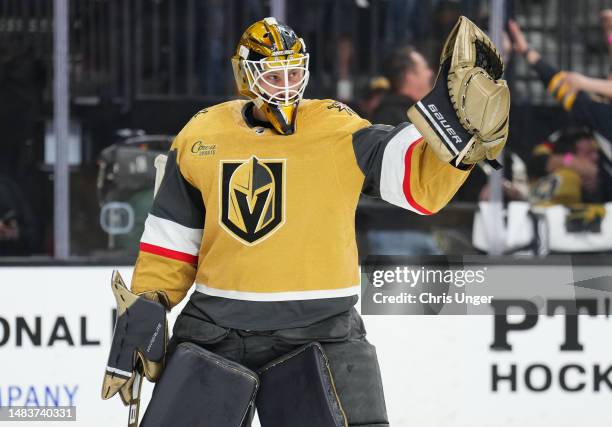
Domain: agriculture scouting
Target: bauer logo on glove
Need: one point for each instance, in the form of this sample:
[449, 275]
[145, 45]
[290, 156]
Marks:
[465, 117]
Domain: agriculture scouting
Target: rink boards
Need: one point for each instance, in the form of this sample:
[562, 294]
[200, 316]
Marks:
[56, 325]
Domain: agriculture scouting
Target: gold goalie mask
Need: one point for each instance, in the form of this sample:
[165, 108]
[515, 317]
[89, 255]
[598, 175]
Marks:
[271, 67]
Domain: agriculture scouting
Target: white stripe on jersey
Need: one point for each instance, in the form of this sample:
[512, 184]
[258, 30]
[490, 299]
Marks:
[394, 167]
[170, 235]
[278, 296]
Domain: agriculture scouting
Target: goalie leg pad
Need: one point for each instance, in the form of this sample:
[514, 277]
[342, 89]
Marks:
[200, 388]
[358, 382]
[297, 389]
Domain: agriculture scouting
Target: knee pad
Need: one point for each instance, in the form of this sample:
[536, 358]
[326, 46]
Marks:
[298, 390]
[200, 388]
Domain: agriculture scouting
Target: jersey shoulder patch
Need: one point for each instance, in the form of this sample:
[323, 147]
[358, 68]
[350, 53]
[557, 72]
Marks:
[329, 114]
[340, 107]
[327, 106]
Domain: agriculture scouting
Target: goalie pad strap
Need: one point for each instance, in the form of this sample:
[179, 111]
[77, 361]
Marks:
[134, 403]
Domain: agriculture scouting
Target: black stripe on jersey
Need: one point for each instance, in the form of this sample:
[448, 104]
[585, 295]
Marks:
[177, 200]
[256, 315]
[369, 146]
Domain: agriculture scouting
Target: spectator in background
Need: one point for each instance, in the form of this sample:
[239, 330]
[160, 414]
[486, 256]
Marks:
[547, 158]
[579, 82]
[410, 79]
[22, 84]
[18, 231]
[515, 182]
[584, 109]
[367, 104]
[571, 163]
[606, 26]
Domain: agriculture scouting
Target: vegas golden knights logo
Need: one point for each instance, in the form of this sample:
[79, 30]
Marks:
[252, 198]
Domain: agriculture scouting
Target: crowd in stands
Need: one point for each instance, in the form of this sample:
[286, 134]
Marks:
[572, 167]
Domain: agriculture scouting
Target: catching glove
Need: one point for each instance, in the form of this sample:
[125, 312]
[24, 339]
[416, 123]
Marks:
[464, 118]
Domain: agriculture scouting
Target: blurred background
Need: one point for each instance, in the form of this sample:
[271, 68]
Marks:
[138, 70]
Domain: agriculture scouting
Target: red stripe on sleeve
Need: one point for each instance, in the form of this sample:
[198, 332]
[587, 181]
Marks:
[407, 193]
[168, 253]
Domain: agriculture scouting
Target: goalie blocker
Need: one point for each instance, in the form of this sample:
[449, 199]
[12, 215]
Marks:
[465, 117]
[138, 347]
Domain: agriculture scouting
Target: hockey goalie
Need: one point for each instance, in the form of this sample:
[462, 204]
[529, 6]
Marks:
[257, 211]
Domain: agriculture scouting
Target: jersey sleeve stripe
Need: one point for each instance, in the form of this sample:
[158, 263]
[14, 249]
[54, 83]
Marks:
[168, 253]
[407, 167]
[396, 169]
[172, 236]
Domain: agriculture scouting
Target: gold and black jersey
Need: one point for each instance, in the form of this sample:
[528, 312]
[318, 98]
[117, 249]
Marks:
[264, 224]
[563, 187]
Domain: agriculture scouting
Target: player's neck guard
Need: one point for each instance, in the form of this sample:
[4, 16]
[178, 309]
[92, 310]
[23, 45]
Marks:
[281, 117]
